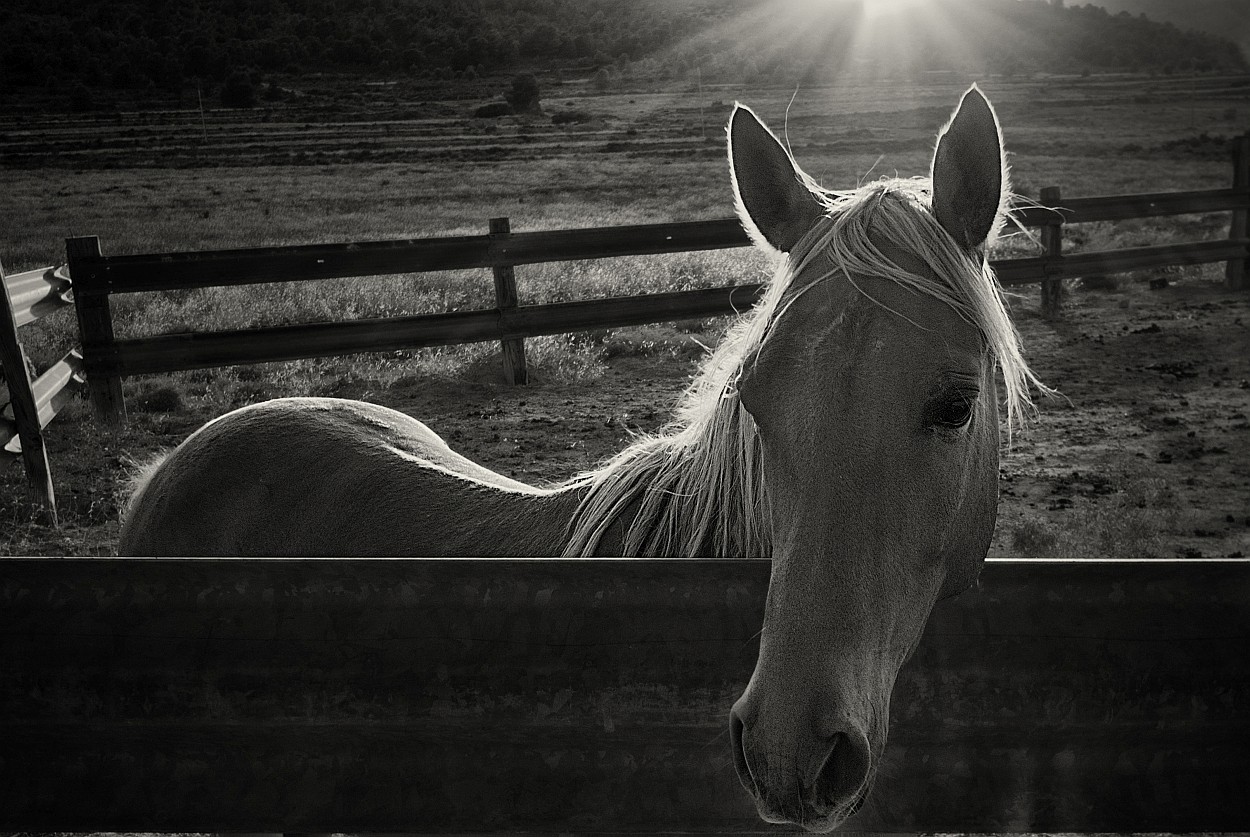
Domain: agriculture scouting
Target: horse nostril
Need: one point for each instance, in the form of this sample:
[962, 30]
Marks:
[743, 769]
[842, 776]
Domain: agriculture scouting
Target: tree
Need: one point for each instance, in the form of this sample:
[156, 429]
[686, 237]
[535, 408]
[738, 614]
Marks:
[80, 98]
[524, 94]
[238, 92]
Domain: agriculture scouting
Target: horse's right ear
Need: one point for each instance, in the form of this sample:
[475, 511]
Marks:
[774, 204]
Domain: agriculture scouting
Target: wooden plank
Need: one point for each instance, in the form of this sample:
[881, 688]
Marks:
[225, 348]
[95, 326]
[1052, 243]
[218, 268]
[1239, 227]
[1138, 258]
[507, 301]
[168, 353]
[36, 293]
[25, 415]
[1071, 265]
[1124, 207]
[212, 268]
[1024, 271]
[166, 271]
[592, 697]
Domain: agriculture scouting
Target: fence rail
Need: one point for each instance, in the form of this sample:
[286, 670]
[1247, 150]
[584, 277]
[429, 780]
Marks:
[593, 696]
[223, 268]
[223, 348]
[97, 277]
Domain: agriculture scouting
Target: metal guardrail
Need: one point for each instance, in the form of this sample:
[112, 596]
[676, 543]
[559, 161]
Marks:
[30, 402]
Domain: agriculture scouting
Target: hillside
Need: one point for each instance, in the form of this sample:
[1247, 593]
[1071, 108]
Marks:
[73, 48]
[1226, 18]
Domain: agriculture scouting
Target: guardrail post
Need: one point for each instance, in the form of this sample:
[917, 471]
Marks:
[95, 325]
[1235, 272]
[25, 410]
[1052, 240]
[514, 369]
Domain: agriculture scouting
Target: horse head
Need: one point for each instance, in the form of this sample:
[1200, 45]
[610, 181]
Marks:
[873, 391]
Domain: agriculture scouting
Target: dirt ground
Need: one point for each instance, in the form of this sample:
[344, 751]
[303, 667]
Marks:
[1147, 454]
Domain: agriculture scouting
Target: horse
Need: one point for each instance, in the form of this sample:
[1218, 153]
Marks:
[847, 428]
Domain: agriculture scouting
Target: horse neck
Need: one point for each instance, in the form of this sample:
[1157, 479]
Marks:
[693, 492]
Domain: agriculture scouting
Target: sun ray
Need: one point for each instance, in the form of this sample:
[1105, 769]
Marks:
[818, 42]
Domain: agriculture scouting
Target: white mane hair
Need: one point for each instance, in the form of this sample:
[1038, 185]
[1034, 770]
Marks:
[696, 488]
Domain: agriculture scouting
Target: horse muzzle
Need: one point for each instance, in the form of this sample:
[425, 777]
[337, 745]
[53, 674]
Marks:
[818, 791]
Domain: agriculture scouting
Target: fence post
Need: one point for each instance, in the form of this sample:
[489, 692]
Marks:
[25, 410]
[1235, 272]
[1052, 240]
[514, 369]
[95, 326]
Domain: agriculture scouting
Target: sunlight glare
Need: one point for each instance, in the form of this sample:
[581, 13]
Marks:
[873, 9]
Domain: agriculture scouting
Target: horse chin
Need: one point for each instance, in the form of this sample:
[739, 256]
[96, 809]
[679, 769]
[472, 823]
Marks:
[809, 819]
[817, 819]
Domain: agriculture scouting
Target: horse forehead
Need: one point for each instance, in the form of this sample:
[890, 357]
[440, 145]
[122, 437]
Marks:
[875, 316]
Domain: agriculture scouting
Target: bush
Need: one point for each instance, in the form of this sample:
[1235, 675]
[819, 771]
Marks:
[573, 117]
[1032, 539]
[160, 399]
[238, 92]
[1099, 282]
[493, 110]
[80, 98]
[524, 94]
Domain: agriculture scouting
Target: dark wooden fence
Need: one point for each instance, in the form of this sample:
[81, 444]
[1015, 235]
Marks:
[97, 277]
[593, 696]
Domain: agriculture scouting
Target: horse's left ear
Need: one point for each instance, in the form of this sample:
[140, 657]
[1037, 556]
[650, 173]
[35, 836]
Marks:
[970, 172]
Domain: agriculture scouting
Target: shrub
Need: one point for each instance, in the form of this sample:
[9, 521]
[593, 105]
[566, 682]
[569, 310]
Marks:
[238, 92]
[1032, 539]
[160, 399]
[573, 117]
[80, 98]
[1099, 282]
[493, 110]
[524, 94]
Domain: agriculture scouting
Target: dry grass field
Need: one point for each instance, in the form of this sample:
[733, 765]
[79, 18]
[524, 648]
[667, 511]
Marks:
[1149, 455]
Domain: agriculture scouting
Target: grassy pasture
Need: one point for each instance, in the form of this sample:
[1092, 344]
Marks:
[404, 166]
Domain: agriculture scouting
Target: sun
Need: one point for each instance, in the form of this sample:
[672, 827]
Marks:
[806, 42]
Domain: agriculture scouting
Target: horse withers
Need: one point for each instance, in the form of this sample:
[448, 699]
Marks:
[847, 428]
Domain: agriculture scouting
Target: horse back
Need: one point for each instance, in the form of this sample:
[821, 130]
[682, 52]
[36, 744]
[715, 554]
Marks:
[324, 476]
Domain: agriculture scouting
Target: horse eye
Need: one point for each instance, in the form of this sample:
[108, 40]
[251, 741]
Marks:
[953, 411]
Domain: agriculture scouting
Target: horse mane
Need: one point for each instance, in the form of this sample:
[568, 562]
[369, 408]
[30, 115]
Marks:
[696, 488]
